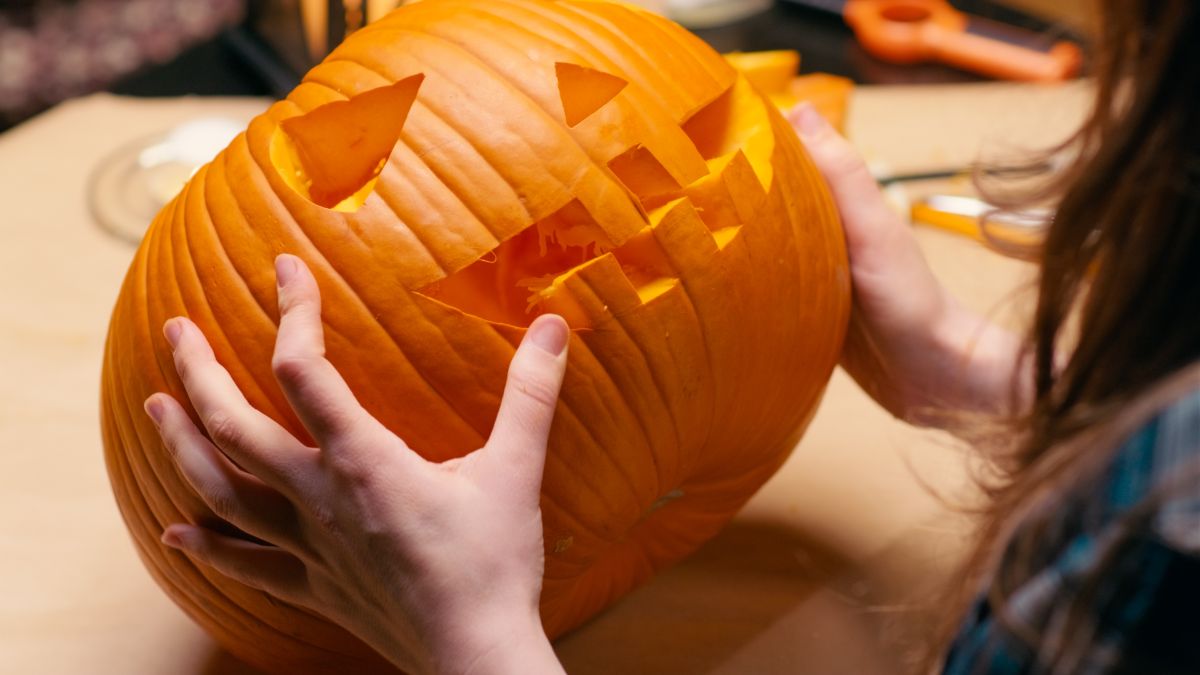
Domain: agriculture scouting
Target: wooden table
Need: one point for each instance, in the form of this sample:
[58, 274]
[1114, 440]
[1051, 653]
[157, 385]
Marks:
[823, 572]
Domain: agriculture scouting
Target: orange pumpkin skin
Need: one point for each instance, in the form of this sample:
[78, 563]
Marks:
[677, 224]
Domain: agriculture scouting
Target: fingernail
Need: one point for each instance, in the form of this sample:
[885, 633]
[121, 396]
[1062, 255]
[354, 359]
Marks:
[285, 269]
[171, 539]
[172, 329]
[807, 121]
[550, 333]
[154, 408]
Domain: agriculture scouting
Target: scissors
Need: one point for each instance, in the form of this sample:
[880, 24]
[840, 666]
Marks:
[1011, 234]
[915, 31]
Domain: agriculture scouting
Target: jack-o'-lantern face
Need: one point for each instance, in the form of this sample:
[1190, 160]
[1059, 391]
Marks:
[450, 172]
[633, 161]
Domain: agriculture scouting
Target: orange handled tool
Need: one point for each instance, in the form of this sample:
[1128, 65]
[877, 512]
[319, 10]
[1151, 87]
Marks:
[913, 31]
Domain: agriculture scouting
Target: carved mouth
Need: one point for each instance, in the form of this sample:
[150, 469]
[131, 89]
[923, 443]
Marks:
[520, 278]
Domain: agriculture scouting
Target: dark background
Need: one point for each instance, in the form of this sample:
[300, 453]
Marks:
[238, 63]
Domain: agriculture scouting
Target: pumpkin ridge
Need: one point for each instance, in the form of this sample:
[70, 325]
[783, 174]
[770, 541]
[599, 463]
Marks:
[560, 511]
[147, 516]
[706, 340]
[654, 378]
[158, 238]
[127, 428]
[159, 259]
[217, 180]
[381, 191]
[606, 451]
[563, 20]
[641, 423]
[205, 212]
[697, 61]
[387, 191]
[599, 446]
[260, 393]
[703, 428]
[565, 406]
[642, 95]
[698, 325]
[602, 46]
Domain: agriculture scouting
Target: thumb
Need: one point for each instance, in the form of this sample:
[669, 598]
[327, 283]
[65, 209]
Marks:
[865, 214]
[517, 446]
[884, 255]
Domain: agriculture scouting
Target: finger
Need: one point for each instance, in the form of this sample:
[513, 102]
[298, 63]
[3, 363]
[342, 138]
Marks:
[266, 568]
[321, 398]
[251, 439]
[535, 375]
[231, 494]
[883, 251]
[866, 215]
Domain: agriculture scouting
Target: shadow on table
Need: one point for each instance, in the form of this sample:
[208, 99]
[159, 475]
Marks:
[760, 597]
[223, 663]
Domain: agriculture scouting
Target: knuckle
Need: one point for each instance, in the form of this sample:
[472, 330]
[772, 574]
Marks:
[349, 470]
[244, 573]
[299, 305]
[221, 503]
[171, 443]
[325, 520]
[292, 368]
[184, 367]
[535, 387]
[845, 163]
[225, 429]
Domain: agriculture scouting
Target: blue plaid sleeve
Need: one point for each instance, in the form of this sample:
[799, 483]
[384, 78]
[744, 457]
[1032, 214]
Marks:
[1147, 610]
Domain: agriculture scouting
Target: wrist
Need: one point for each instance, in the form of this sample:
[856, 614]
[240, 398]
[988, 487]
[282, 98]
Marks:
[499, 645]
[984, 361]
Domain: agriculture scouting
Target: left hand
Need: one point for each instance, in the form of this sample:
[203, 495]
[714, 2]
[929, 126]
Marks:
[911, 345]
[436, 566]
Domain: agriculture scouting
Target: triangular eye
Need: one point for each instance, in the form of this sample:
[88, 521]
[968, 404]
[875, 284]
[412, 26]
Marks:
[341, 147]
[584, 90]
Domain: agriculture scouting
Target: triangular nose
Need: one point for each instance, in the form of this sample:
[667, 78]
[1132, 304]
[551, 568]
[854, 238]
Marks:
[584, 90]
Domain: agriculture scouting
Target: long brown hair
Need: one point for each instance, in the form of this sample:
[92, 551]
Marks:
[1118, 309]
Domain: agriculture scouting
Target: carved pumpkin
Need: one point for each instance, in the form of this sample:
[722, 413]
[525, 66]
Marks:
[449, 173]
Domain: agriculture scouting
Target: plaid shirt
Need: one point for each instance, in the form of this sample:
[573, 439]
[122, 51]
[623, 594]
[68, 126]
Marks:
[1147, 610]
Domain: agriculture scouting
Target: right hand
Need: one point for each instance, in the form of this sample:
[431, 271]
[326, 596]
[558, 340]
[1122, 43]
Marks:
[437, 566]
[911, 346]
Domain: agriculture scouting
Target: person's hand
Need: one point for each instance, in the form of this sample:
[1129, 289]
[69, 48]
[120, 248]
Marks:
[911, 346]
[436, 566]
